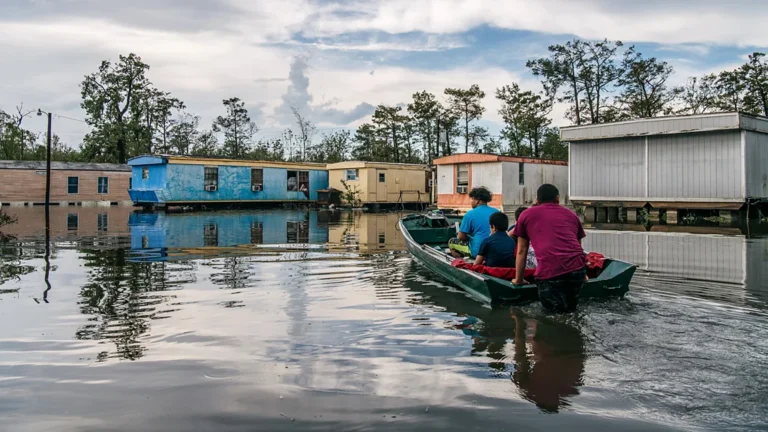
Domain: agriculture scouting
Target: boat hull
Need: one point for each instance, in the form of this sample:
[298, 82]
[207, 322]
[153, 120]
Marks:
[612, 282]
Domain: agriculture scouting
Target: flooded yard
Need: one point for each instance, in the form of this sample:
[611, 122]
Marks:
[313, 320]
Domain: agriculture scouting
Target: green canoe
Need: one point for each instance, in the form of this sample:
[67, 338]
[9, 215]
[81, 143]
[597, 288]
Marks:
[426, 237]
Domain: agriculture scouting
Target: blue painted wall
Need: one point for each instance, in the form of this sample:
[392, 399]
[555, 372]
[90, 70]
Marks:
[145, 190]
[153, 231]
[184, 183]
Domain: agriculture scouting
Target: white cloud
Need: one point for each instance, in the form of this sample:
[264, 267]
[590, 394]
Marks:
[669, 22]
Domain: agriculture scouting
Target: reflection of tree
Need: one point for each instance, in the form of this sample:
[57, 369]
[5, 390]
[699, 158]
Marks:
[12, 254]
[233, 274]
[116, 295]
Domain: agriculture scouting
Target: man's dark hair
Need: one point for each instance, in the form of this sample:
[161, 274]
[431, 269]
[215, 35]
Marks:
[518, 212]
[481, 194]
[500, 221]
[547, 193]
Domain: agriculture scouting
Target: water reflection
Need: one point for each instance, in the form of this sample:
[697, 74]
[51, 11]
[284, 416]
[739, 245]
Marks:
[543, 356]
[730, 268]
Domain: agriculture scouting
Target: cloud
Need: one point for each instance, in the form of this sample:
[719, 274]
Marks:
[668, 22]
[298, 97]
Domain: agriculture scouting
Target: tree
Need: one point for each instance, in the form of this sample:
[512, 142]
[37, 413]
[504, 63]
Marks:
[465, 105]
[16, 143]
[367, 140]
[237, 127]
[390, 122]
[585, 71]
[730, 91]
[644, 86]
[332, 147]
[552, 148]
[108, 96]
[754, 75]
[184, 133]
[268, 150]
[526, 116]
[161, 110]
[206, 145]
[425, 111]
[697, 95]
[561, 73]
[305, 133]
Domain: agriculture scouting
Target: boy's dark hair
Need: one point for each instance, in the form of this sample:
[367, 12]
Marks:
[481, 194]
[518, 212]
[500, 221]
[547, 193]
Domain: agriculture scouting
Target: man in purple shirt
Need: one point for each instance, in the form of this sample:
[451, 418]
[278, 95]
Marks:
[555, 234]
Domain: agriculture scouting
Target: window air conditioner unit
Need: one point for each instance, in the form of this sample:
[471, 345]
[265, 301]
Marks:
[461, 189]
[211, 188]
[255, 188]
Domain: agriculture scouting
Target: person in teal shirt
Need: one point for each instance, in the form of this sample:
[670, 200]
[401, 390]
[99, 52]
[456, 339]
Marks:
[474, 226]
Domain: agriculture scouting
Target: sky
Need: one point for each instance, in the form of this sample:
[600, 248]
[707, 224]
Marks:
[336, 60]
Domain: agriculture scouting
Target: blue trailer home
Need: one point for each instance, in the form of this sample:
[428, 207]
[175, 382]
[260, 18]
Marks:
[181, 180]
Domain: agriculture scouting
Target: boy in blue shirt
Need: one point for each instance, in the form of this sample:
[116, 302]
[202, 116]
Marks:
[474, 226]
[498, 250]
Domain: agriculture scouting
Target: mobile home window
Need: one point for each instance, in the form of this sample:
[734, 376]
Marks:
[292, 181]
[257, 232]
[145, 173]
[304, 181]
[103, 185]
[211, 176]
[382, 178]
[73, 185]
[72, 222]
[257, 179]
[210, 234]
[352, 174]
[102, 222]
[521, 168]
[462, 178]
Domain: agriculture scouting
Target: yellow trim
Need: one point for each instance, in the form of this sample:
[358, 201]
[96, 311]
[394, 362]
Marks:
[379, 165]
[244, 163]
[233, 201]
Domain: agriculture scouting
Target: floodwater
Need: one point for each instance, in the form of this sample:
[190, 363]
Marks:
[302, 320]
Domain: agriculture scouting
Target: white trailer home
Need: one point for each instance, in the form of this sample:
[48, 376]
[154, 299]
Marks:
[709, 161]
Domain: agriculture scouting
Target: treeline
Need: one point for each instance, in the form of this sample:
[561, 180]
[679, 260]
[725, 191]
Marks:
[599, 81]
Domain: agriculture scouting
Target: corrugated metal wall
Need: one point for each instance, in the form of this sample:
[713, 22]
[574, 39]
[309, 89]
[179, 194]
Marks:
[756, 148]
[608, 168]
[702, 165]
[706, 166]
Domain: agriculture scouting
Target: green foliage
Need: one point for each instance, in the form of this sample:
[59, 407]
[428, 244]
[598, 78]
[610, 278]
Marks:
[390, 123]
[425, 112]
[237, 127]
[552, 148]
[644, 86]
[332, 148]
[465, 106]
[526, 119]
[351, 194]
[112, 101]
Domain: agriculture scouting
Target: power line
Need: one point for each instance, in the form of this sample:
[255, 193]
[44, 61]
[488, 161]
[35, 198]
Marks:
[70, 118]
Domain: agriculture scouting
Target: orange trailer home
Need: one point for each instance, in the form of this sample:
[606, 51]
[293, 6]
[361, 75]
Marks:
[512, 180]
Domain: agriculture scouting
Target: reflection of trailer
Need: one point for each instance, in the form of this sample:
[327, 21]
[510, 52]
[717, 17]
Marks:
[729, 267]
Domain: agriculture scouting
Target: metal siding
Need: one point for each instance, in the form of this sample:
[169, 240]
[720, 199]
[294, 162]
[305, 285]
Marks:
[509, 179]
[660, 125]
[610, 168]
[754, 123]
[706, 166]
[488, 175]
[445, 182]
[145, 190]
[756, 148]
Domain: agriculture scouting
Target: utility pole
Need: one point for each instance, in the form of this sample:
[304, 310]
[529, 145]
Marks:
[48, 169]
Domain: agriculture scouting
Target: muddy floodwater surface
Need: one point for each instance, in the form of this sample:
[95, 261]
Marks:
[315, 320]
